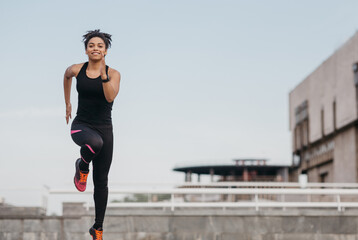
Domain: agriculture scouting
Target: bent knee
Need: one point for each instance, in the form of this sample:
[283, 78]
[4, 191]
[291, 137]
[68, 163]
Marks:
[95, 145]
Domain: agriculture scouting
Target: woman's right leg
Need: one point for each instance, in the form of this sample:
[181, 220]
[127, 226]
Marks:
[91, 144]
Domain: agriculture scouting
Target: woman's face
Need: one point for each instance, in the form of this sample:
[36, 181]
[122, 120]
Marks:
[96, 48]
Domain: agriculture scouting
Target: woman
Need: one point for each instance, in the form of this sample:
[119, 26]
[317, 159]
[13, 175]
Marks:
[97, 87]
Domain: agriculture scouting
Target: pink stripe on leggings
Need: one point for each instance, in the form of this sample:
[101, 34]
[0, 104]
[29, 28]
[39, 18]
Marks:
[84, 160]
[90, 148]
[75, 131]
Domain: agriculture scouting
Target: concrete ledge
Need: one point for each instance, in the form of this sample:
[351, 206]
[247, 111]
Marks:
[227, 212]
[252, 225]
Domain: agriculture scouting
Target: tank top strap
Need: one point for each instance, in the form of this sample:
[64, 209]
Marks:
[83, 70]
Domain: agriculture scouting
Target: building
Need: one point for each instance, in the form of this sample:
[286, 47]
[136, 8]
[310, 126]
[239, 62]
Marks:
[236, 170]
[323, 119]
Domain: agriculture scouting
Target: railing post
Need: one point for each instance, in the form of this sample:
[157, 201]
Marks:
[202, 195]
[339, 203]
[256, 202]
[283, 200]
[172, 201]
[229, 196]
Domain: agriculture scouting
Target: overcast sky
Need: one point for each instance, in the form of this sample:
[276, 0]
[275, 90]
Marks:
[201, 81]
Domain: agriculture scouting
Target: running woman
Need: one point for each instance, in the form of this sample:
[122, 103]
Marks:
[97, 87]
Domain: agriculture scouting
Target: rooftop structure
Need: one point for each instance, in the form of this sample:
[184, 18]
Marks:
[243, 169]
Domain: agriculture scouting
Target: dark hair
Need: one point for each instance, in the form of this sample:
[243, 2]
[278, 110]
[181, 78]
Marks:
[96, 33]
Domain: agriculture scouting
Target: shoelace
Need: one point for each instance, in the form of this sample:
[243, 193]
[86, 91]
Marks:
[83, 177]
[98, 234]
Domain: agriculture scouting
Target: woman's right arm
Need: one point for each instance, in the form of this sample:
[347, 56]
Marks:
[67, 82]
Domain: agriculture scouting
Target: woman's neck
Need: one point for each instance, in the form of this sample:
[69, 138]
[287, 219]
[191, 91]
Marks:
[93, 65]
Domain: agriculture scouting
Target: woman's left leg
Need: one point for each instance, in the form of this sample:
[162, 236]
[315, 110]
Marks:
[101, 165]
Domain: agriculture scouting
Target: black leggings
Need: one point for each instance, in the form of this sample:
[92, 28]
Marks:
[96, 142]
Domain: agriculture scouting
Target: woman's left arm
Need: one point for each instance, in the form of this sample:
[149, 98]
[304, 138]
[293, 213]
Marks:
[111, 88]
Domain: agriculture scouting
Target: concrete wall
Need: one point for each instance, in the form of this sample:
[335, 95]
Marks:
[345, 164]
[190, 225]
[332, 81]
[314, 174]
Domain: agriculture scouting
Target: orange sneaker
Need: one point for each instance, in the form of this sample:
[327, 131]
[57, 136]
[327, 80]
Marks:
[80, 178]
[96, 234]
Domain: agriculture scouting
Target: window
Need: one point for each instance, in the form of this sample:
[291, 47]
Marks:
[334, 116]
[355, 72]
[322, 122]
[323, 177]
[301, 129]
[301, 112]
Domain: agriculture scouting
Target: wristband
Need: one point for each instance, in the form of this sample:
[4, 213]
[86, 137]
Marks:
[105, 80]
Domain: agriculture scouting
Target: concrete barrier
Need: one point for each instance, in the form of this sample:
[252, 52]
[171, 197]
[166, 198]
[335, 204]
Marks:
[186, 224]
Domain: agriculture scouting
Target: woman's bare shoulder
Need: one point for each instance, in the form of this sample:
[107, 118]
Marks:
[112, 71]
[74, 69]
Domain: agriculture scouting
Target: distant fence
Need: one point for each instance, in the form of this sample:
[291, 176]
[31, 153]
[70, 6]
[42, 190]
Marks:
[257, 195]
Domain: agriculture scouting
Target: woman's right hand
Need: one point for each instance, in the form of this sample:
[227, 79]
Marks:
[68, 112]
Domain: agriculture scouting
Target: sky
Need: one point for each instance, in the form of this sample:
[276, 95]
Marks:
[202, 80]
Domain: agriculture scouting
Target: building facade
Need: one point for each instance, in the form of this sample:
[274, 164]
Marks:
[323, 119]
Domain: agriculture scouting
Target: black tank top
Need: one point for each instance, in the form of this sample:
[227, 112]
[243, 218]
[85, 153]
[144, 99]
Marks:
[92, 104]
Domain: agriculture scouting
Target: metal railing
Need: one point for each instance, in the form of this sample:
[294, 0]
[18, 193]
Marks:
[255, 195]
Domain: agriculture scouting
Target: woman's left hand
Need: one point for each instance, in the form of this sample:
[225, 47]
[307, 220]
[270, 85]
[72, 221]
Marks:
[103, 67]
